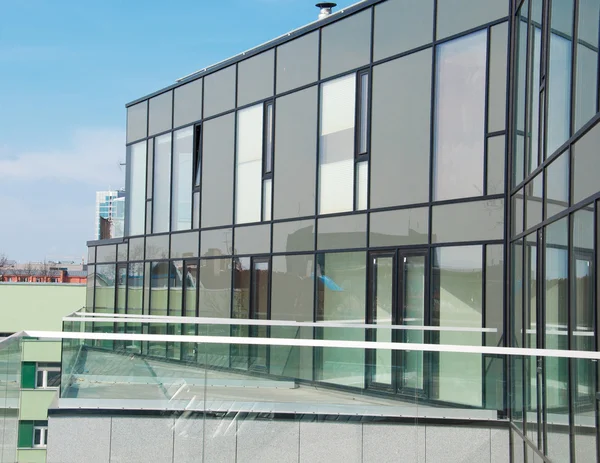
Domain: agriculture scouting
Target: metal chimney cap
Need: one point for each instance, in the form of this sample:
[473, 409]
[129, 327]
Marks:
[325, 9]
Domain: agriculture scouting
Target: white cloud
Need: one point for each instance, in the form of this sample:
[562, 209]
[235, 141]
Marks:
[92, 157]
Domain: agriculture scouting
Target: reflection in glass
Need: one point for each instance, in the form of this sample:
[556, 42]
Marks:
[104, 299]
[413, 313]
[495, 165]
[382, 306]
[249, 164]
[534, 201]
[557, 185]
[344, 232]
[267, 199]
[363, 113]
[468, 221]
[399, 228]
[182, 179]
[268, 161]
[556, 335]
[136, 193]
[520, 92]
[341, 297]
[336, 145]
[459, 141]
[162, 184]
[533, 127]
[294, 236]
[497, 77]
[457, 302]
[559, 84]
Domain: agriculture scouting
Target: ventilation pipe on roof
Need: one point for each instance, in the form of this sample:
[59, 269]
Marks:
[325, 9]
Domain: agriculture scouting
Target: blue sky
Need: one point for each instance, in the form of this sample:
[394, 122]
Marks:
[68, 67]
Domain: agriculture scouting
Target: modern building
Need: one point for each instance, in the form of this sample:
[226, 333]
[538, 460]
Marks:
[399, 171]
[110, 214]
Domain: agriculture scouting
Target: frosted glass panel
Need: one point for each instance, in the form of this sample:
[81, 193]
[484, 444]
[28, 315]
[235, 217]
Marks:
[182, 179]
[460, 117]
[336, 145]
[136, 184]
[249, 164]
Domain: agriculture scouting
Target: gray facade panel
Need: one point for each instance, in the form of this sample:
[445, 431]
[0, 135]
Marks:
[74, 440]
[268, 441]
[141, 439]
[384, 443]
[331, 442]
[219, 91]
[197, 439]
[297, 62]
[453, 444]
[455, 16]
[255, 78]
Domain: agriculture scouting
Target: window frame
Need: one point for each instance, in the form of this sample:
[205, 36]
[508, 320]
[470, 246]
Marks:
[43, 429]
[45, 368]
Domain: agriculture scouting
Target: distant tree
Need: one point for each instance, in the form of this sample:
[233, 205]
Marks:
[3, 261]
[43, 269]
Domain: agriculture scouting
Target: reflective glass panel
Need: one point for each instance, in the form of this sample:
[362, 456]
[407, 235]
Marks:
[184, 245]
[400, 131]
[215, 288]
[182, 179]
[254, 239]
[104, 299]
[294, 236]
[586, 165]
[454, 16]
[557, 185]
[336, 145]
[217, 171]
[255, 78]
[457, 302]
[495, 165]
[106, 253]
[459, 141]
[341, 297]
[160, 113]
[342, 232]
[219, 91]
[137, 121]
[362, 185]
[401, 25]
[157, 247]
[295, 143]
[472, 221]
[297, 62]
[399, 228]
[497, 78]
[188, 103]
[216, 242]
[346, 44]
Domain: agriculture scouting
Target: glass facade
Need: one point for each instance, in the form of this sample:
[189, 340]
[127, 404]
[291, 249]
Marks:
[405, 164]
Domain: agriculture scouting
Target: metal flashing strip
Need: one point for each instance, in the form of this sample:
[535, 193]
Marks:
[122, 318]
[396, 346]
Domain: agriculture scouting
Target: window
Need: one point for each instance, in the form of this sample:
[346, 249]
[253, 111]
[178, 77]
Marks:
[136, 188]
[162, 182]
[344, 131]
[40, 434]
[47, 375]
[182, 179]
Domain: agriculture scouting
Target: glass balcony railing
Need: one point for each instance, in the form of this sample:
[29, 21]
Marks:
[10, 379]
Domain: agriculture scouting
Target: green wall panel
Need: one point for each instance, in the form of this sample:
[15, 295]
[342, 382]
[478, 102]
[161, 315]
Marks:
[25, 434]
[28, 375]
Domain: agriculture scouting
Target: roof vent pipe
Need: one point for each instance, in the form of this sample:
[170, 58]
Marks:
[325, 9]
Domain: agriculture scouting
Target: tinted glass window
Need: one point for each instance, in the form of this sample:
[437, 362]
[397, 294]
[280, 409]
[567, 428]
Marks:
[217, 171]
[157, 247]
[219, 91]
[295, 146]
[497, 77]
[346, 44]
[216, 242]
[297, 62]
[255, 78]
[495, 165]
[586, 165]
[400, 131]
[188, 103]
[557, 185]
[106, 253]
[401, 25]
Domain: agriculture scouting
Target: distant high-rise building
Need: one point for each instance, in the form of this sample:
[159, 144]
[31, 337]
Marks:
[110, 213]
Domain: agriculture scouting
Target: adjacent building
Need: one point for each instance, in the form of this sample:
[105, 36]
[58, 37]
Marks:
[110, 214]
